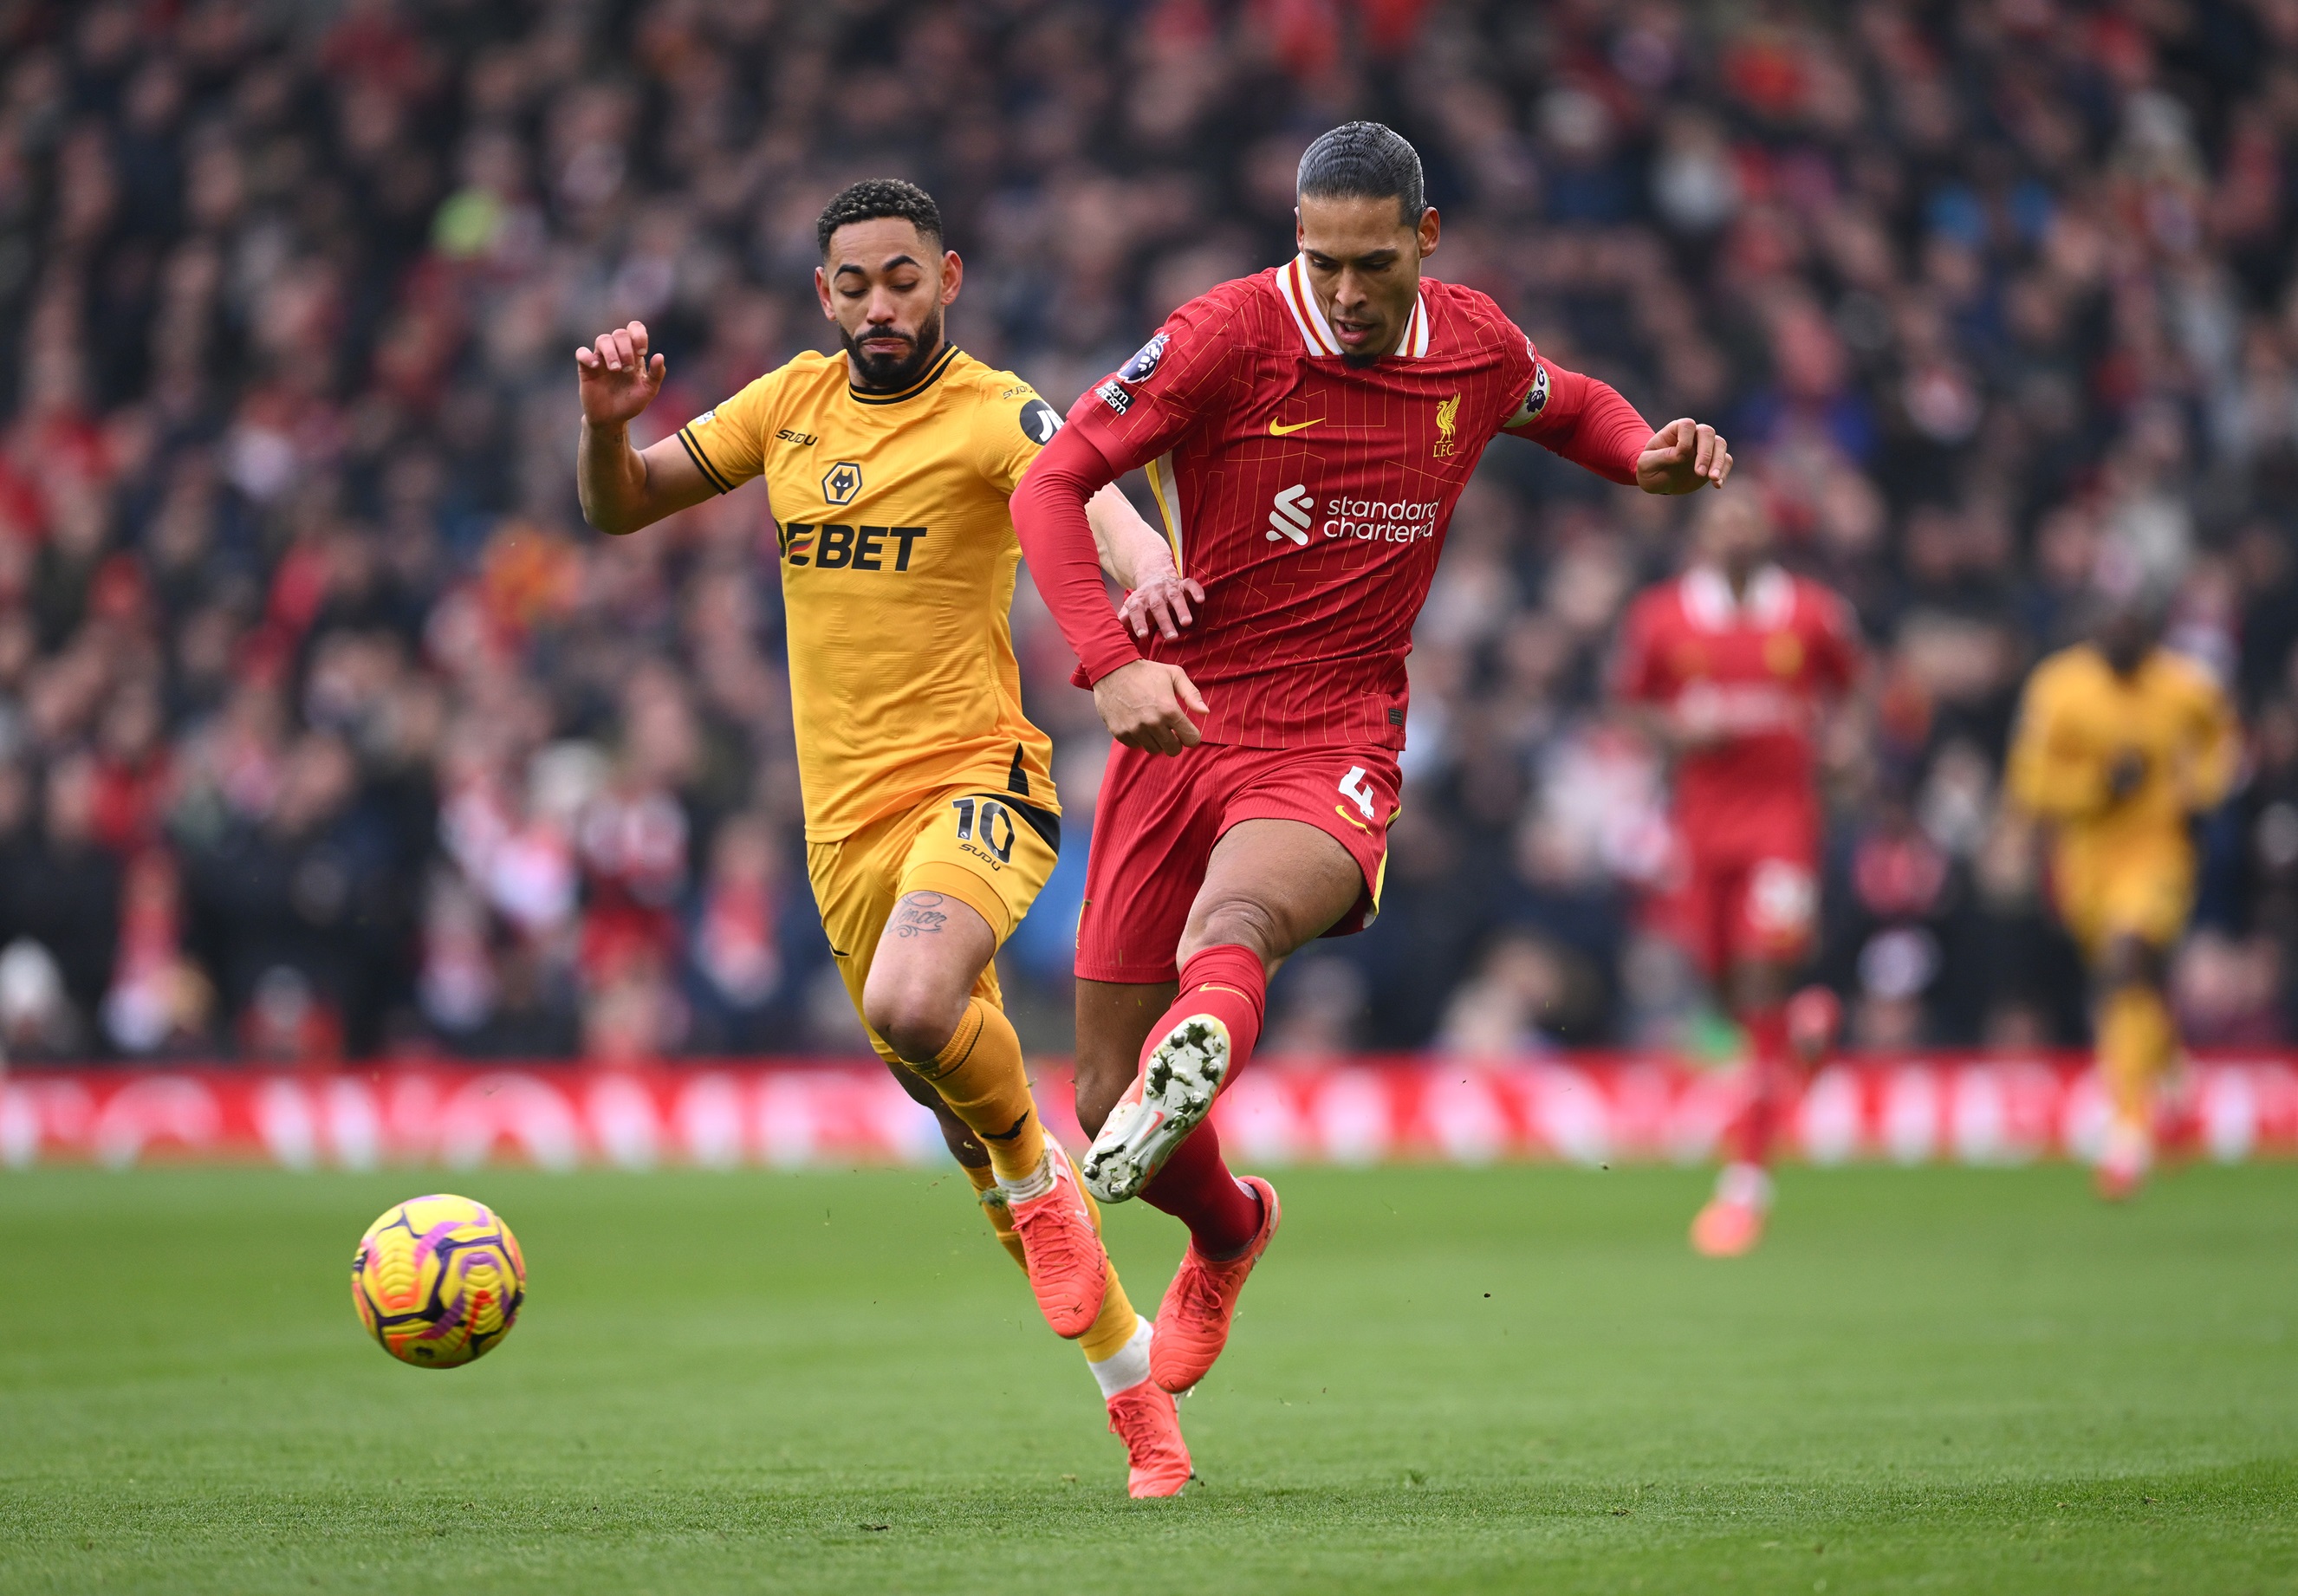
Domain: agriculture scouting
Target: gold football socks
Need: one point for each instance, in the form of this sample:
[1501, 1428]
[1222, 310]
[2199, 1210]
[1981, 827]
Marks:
[979, 1074]
[992, 1198]
[2136, 1044]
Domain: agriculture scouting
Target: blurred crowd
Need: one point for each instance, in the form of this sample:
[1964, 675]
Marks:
[327, 730]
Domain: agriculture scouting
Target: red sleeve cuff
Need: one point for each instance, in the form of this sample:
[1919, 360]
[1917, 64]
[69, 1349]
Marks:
[1049, 517]
[1106, 656]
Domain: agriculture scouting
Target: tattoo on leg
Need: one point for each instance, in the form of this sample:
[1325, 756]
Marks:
[920, 915]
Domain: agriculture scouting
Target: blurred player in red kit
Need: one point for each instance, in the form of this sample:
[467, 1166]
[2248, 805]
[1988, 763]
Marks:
[1734, 662]
[1306, 432]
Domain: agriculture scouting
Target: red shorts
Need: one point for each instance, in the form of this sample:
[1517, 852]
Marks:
[1745, 909]
[1159, 817]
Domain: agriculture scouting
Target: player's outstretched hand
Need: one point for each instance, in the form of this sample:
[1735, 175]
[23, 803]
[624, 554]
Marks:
[1683, 457]
[1163, 602]
[616, 376]
[1146, 704]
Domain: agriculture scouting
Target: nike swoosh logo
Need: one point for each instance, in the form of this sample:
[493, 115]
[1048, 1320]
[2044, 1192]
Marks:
[1010, 1132]
[1277, 429]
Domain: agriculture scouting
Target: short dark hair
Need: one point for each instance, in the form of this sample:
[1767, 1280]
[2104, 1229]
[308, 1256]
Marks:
[875, 197]
[1365, 161]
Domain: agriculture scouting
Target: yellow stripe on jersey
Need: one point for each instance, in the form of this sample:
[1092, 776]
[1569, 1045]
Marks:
[1167, 492]
[898, 561]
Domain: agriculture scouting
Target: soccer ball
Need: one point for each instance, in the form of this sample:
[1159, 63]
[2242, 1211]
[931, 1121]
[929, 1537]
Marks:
[438, 1281]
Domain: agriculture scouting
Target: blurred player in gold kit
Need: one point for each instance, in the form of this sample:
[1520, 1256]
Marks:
[2120, 744]
[931, 821]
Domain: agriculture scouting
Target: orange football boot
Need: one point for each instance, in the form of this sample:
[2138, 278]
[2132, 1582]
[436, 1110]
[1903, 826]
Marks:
[1733, 1222]
[1193, 1324]
[1061, 1250]
[1726, 1229]
[1157, 1459]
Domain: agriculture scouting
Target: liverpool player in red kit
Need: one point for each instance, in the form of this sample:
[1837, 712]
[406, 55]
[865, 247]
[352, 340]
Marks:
[1733, 663]
[1306, 432]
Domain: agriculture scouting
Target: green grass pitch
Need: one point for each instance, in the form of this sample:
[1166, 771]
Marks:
[1505, 1379]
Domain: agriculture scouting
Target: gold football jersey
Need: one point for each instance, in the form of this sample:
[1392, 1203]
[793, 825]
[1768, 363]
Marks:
[2079, 719]
[898, 566]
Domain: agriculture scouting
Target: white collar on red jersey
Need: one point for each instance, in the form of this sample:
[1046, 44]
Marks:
[1317, 333]
[1709, 605]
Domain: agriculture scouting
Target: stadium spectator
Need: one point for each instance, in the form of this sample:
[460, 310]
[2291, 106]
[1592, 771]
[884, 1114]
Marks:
[296, 613]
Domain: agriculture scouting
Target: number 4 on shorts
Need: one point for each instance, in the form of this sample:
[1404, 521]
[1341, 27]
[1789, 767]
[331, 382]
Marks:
[1354, 789]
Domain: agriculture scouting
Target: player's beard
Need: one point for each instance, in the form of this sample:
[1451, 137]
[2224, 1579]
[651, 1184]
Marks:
[890, 374]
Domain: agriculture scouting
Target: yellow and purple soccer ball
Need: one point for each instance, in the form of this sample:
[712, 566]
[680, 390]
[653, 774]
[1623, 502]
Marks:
[438, 1281]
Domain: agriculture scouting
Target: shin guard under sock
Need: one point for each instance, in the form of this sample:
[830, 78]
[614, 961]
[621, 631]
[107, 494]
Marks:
[979, 1074]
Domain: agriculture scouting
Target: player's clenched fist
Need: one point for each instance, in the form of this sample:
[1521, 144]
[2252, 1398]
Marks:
[618, 378]
[1146, 704]
[1683, 457]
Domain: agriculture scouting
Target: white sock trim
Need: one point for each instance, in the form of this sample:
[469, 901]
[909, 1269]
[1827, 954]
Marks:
[1749, 1185]
[1127, 1366]
[1032, 1185]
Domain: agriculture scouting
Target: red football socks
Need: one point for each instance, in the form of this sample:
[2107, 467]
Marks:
[1196, 1189]
[1228, 983]
[1768, 1071]
[1196, 1185]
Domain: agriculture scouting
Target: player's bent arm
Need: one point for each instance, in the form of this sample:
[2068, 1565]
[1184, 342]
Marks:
[1056, 534]
[1136, 556]
[2217, 761]
[2047, 782]
[1587, 421]
[1131, 550]
[1145, 705]
[624, 489]
[616, 378]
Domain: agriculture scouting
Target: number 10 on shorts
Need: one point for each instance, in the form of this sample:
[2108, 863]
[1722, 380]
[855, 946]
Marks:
[995, 824]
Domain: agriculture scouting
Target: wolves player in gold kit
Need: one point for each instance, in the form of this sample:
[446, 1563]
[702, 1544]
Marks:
[930, 817]
[2120, 744]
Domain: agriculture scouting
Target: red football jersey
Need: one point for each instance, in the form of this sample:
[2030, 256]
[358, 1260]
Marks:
[1309, 496]
[1753, 674]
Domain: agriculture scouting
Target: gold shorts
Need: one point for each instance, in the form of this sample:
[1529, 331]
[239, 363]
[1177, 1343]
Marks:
[983, 848]
[2144, 890]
